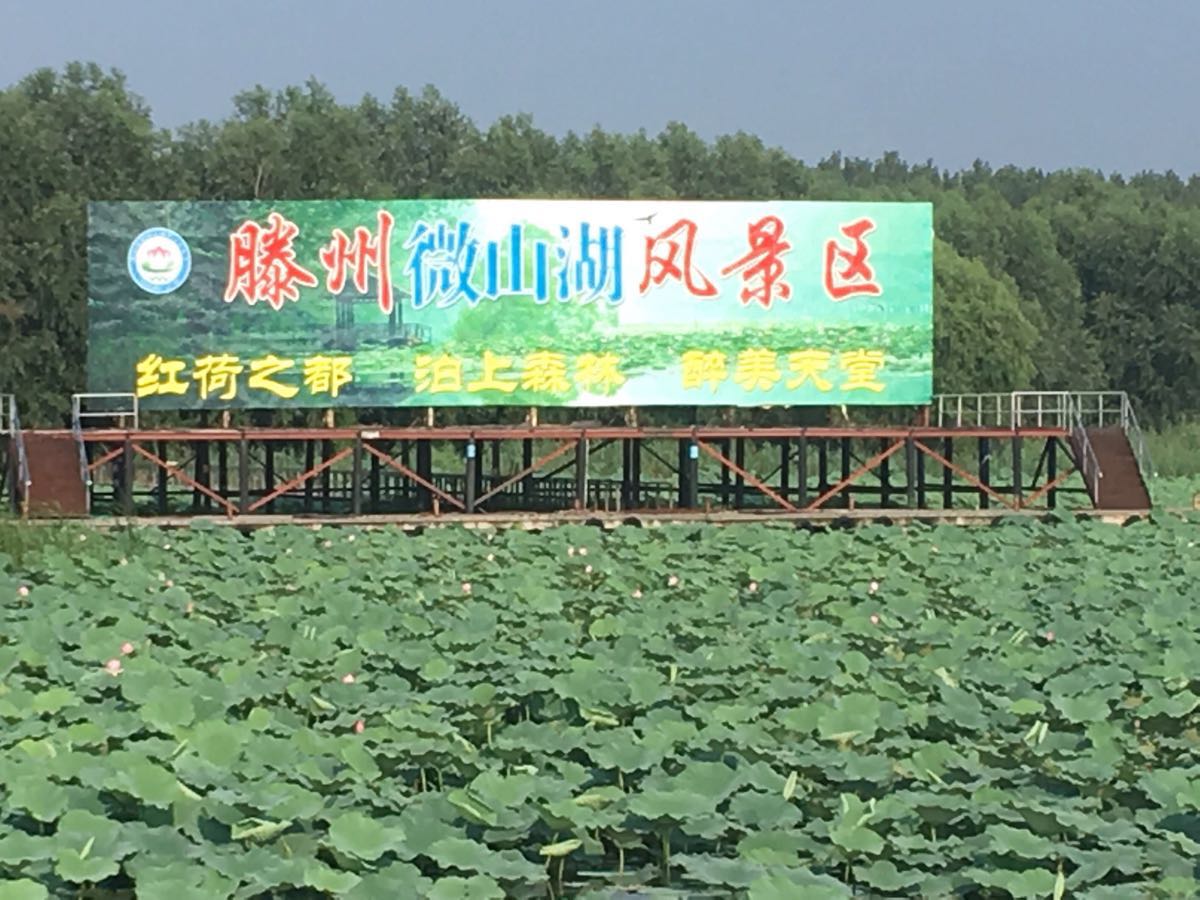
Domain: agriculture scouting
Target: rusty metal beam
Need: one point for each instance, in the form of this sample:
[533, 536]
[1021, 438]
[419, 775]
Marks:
[528, 470]
[965, 475]
[857, 473]
[299, 479]
[553, 432]
[107, 457]
[409, 473]
[1047, 488]
[179, 475]
[751, 479]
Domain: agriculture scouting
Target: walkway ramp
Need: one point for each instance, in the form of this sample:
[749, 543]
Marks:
[1122, 485]
[56, 488]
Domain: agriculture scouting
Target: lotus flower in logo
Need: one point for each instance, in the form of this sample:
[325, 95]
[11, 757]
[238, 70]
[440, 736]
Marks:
[158, 259]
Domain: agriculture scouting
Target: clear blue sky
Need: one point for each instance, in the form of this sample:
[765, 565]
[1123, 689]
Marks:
[1106, 84]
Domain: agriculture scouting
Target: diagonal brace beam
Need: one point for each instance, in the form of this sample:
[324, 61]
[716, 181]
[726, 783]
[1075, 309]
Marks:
[562, 448]
[1048, 487]
[178, 474]
[866, 467]
[299, 480]
[107, 457]
[750, 479]
[965, 475]
[409, 473]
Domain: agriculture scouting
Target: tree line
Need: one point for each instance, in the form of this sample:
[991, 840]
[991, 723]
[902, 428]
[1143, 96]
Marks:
[1043, 280]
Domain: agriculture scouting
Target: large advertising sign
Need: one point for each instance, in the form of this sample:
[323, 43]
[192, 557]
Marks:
[427, 303]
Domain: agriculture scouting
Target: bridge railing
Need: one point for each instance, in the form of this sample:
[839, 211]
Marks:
[1017, 409]
[1106, 409]
[10, 425]
[1089, 466]
[121, 408]
[1075, 411]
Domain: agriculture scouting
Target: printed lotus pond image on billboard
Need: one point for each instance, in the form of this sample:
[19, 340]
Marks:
[431, 303]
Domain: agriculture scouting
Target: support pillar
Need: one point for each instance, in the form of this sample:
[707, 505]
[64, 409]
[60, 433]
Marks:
[243, 474]
[802, 470]
[985, 469]
[581, 473]
[947, 475]
[469, 476]
[356, 478]
[1018, 491]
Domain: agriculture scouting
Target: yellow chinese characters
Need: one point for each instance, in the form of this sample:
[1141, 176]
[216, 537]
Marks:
[541, 372]
[327, 374]
[158, 376]
[545, 372]
[809, 365]
[495, 376]
[756, 369]
[216, 376]
[599, 372]
[441, 374]
[217, 373]
[861, 367]
[262, 376]
[701, 367]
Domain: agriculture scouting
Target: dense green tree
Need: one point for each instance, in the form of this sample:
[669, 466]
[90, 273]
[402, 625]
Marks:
[1062, 279]
[981, 335]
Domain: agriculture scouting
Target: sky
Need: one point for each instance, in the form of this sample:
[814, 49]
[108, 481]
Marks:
[1102, 84]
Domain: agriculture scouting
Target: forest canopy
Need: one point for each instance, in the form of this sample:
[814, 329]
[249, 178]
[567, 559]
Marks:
[1058, 280]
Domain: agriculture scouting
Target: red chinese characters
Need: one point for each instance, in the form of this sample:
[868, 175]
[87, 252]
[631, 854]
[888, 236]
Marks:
[663, 254]
[262, 263]
[762, 269]
[856, 276]
[359, 256]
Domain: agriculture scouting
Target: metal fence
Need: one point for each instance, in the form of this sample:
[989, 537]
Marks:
[1075, 411]
[10, 426]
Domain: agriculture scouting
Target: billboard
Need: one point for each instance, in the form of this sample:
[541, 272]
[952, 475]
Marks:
[416, 303]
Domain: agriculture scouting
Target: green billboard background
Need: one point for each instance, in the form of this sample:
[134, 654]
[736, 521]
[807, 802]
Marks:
[261, 304]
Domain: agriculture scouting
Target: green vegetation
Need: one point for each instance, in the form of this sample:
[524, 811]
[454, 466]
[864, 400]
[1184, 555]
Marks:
[754, 712]
[1057, 280]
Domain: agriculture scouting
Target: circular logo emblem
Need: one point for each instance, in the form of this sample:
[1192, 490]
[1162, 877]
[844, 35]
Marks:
[159, 261]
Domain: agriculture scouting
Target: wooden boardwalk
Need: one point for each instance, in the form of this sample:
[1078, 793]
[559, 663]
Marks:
[647, 518]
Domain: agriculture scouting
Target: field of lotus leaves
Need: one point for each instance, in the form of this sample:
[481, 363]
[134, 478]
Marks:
[686, 712]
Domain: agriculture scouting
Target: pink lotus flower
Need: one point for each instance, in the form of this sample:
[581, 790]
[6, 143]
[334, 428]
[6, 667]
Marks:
[587, 569]
[350, 539]
[466, 587]
[874, 619]
[570, 551]
[348, 678]
[169, 583]
[327, 544]
[752, 587]
[359, 726]
[583, 551]
[637, 594]
[23, 591]
[1049, 635]
[113, 667]
[126, 648]
[190, 608]
[673, 581]
[491, 557]
[874, 586]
